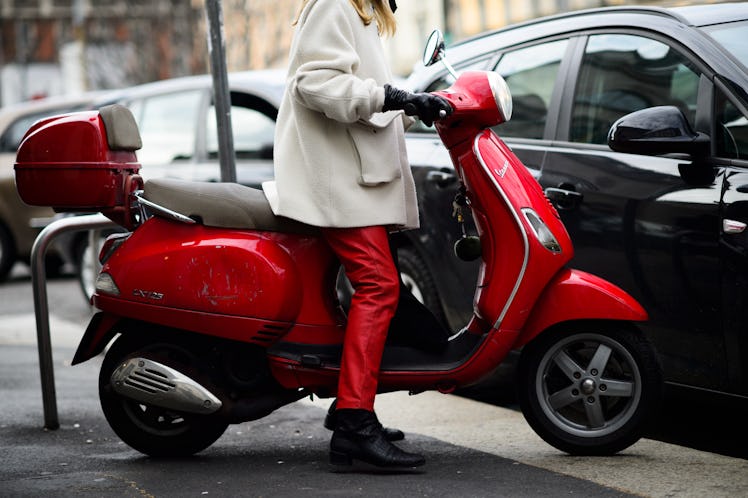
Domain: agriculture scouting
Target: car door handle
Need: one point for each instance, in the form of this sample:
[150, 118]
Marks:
[733, 226]
[563, 198]
[743, 189]
[442, 179]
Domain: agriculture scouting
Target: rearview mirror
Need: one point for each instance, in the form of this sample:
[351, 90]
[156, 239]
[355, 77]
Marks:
[655, 131]
[434, 51]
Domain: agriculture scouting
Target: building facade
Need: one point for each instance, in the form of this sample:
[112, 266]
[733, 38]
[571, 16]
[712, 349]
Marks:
[51, 47]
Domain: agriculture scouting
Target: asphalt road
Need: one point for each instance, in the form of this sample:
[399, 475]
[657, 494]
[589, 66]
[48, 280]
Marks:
[472, 448]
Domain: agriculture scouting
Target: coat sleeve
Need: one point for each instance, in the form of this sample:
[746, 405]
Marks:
[326, 61]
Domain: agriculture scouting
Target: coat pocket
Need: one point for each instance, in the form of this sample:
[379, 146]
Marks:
[378, 154]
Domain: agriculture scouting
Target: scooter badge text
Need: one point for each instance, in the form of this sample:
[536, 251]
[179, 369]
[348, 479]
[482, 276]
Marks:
[501, 172]
[156, 296]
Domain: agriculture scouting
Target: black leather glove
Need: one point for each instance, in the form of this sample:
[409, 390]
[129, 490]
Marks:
[426, 106]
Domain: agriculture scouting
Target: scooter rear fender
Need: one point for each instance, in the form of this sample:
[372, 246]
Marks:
[100, 330]
[577, 295]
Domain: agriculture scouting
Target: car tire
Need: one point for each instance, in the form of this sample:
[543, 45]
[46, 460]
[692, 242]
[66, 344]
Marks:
[418, 280]
[590, 388]
[8, 252]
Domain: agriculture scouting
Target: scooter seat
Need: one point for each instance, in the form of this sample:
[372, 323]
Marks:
[224, 205]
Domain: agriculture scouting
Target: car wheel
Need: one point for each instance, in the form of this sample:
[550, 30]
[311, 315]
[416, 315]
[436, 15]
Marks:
[590, 389]
[7, 252]
[154, 430]
[418, 280]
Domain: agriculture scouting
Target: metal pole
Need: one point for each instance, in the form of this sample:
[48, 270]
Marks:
[221, 95]
[41, 306]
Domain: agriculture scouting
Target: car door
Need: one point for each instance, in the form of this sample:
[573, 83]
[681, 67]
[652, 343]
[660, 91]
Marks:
[730, 134]
[637, 220]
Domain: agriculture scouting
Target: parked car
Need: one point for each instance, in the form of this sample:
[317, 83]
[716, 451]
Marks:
[670, 229]
[20, 224]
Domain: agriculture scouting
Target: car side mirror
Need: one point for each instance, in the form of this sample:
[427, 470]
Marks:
[434, 51]
[656, 131]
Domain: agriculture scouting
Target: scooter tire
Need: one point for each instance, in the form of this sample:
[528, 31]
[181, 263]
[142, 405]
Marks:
[590, 388]
[154, 431]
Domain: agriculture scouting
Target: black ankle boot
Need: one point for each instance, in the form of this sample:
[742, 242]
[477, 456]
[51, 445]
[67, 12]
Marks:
[389, 434]
[358, 436]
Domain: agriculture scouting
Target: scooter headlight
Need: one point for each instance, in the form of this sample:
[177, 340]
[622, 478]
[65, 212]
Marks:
[501, 95]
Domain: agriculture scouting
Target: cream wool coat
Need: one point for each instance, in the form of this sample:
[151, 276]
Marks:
[339, 161]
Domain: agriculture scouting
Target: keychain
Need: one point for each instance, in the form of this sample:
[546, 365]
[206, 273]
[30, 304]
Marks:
[468, 247]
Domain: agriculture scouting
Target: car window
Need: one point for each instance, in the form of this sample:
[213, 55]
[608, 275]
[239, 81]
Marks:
[732, 129]
[168, 125]
[530, 74]
[732, 37]
[624, 73]
[253, 133]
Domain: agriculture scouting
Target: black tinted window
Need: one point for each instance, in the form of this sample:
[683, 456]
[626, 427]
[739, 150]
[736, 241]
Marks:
[531, 75]
[732, 130]
[624, 73]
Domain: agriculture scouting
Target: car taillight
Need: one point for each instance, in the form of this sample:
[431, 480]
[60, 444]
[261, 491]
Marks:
[111, 244]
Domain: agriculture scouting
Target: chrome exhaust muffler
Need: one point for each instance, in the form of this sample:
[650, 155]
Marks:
[156, 384]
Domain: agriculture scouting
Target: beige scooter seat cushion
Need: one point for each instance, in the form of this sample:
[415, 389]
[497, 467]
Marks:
[225, 205]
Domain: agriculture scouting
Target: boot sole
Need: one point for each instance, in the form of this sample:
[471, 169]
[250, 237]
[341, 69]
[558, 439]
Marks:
[340, 461]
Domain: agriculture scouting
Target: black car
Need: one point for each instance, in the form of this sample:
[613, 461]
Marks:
[668, 229]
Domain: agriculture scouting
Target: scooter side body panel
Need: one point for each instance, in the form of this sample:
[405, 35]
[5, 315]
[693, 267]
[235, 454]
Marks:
[195, 278]
[577, 295]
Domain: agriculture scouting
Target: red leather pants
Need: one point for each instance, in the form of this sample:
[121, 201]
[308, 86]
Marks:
[365, 255]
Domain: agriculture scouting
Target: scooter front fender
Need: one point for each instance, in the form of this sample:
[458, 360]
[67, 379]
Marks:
[577, 295]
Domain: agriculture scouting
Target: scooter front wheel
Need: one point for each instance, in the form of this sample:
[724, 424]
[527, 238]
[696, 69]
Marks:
[590, 388]
[153, 430]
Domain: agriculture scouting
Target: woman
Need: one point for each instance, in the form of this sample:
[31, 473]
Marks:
[340, 164]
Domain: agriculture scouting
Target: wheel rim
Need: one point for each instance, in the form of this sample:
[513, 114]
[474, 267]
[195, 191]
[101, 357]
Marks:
[588, 385]
[154, 420]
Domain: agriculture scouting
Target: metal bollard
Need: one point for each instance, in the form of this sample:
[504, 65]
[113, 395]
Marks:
[41, 306]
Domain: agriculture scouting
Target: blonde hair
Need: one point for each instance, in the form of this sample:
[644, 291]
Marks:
[386, 23]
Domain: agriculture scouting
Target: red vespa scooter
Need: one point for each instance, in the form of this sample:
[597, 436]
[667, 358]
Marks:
[224, 312]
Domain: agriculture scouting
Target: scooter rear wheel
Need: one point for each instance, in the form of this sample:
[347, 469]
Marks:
[153, 430]
[590, 388]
